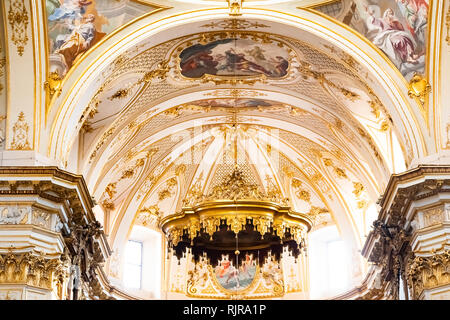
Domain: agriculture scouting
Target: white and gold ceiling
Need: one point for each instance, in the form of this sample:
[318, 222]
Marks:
[322, 115]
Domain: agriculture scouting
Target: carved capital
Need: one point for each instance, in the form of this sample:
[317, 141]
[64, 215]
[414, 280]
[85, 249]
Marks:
[428, 272]
[32, 269]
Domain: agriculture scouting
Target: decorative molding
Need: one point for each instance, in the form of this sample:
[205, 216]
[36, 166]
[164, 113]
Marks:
[358, 188]
[10, 294]
[18, 20]
[167, 192]
[20, 134]
[234, 24]
[120, 94]
[301, 193]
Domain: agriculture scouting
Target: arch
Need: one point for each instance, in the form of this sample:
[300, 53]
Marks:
[82, 82]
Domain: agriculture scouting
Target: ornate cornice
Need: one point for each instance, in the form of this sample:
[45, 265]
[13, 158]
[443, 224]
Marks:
[43, 181]
[420, 171]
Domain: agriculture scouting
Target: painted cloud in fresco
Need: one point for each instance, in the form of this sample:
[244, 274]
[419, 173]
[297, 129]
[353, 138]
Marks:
[397, 27]
[74, 26]
[234, 57]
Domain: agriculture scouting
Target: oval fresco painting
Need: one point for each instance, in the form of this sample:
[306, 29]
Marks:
[232, 278]
[234, 57]
[226, 103]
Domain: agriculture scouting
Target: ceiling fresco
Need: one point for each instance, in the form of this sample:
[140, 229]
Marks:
[396, 27]
[234, 57]
[75, 26]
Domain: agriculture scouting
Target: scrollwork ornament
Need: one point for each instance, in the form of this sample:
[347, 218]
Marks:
[18, 20]
[20, 134]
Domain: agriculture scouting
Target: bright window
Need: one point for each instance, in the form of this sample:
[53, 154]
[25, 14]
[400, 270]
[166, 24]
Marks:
[328, 263]
[133, 264]
[337, 266]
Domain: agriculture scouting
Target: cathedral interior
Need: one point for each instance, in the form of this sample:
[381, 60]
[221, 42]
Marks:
[224, 149]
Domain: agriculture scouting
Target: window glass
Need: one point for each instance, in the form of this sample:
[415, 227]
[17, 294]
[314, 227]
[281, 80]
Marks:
[133, 264]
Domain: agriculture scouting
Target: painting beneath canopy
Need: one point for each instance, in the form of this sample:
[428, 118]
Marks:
[234, 57]
[232, 278]
[74, 26]
[397, 27]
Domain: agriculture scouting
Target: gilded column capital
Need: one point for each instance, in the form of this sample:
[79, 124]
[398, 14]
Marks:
[428, 272]
[33, 269]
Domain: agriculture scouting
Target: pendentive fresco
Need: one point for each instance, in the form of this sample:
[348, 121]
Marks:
[396, 27]
[75, 26]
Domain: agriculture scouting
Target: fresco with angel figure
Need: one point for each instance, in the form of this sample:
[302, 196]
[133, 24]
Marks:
[232, 278]
[396, 27]
[234, 57]
[75, 26]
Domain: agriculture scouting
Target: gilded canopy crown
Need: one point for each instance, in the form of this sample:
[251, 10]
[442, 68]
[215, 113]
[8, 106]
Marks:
[236, 187]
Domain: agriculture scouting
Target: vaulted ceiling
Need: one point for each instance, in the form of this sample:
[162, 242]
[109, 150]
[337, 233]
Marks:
[150, 133]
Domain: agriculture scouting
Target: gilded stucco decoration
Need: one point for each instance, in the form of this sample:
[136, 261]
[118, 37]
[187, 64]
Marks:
[33, 269]
[419, 88]
[20, 134]
[428, 272]
[300, 192]
[234, 7]
[18, 20]
[53, 85]
[148, 216]
[234, 24]
[168, 190]
[235, 186]
[358, 188]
